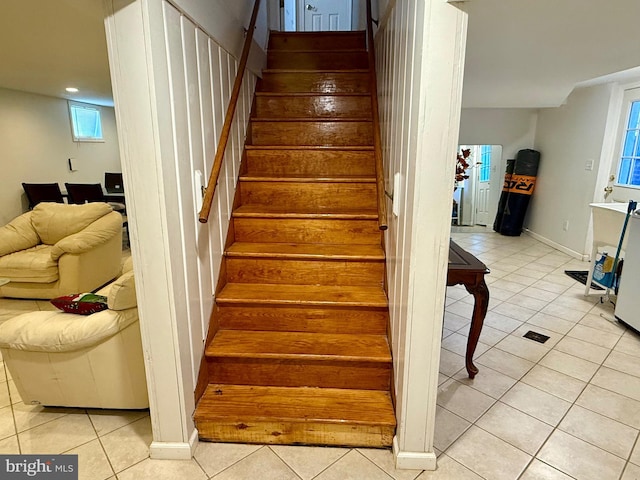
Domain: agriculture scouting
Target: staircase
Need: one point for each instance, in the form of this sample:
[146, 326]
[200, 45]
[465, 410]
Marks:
[298, 351]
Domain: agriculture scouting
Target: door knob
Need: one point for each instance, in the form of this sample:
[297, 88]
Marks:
[608, 191]
[311, 8]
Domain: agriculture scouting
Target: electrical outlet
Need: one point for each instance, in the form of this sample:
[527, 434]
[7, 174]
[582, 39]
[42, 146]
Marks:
[565, 225]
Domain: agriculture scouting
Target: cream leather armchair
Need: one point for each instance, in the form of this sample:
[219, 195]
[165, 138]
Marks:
[58, 249]
[92, 361]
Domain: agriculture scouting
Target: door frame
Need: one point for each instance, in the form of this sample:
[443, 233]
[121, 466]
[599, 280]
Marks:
[355, 13]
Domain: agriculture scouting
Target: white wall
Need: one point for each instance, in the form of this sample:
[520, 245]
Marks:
[568, 137]
[513, 128]
[420, 57]
[35, 144]
[172, 80]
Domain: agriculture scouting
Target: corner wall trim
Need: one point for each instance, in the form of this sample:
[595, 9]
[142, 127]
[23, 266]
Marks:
[174, 450]
[572, 253]
[413, 460]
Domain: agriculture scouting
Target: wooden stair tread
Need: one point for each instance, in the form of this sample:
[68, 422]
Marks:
[306, 179]
[322, 70]
[307, 251]
[319, 51]
[264, 211]
[300, 346]
[247, 403]
[311, 119]
[283, 294]
[312, 94]
[310, 147]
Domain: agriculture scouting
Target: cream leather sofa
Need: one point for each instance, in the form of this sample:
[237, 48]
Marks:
[93, 361]
[58, 249]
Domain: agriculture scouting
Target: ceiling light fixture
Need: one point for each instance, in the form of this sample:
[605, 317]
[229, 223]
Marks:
[71, 89]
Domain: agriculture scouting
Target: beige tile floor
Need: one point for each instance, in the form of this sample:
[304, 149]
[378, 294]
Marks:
[569, 408]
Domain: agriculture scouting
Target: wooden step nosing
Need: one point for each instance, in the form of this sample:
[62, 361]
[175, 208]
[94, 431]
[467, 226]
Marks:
[240, 248]
[250, 419]
[300, 215]
[324, 179]
[296, 302]
[307, 256]
[320, 358]
[255, 418]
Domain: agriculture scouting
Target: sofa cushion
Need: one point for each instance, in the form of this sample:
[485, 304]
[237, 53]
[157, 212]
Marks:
[31, 265]
[62, 332]
[81, 303]
[55, 221]
[122, 294]
[18, 235]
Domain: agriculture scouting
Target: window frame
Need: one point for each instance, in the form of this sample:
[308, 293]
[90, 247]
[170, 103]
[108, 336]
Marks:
[72, 104]
[484, 169]
[631, 98]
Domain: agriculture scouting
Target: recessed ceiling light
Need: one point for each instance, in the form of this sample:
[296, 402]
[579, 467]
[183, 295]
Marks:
[71, 89]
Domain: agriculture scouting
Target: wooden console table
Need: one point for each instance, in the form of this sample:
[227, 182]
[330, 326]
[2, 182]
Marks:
[466, 269]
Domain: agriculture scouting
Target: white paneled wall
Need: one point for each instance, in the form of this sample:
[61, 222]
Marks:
[173, 73]
[201, 77]
[419, 61]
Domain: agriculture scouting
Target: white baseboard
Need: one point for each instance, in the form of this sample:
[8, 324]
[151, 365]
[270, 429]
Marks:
[580, 256]
[413, 460]
[174, 450]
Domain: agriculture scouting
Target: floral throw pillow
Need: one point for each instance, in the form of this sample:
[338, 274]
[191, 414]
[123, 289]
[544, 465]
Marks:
[81, 303]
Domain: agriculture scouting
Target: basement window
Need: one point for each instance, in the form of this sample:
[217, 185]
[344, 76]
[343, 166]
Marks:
[86, 124]
[629, 165]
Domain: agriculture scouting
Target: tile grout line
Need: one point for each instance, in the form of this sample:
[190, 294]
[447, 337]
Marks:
[556, 427]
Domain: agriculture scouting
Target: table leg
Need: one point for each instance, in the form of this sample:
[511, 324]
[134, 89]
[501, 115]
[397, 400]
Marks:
[480, 294]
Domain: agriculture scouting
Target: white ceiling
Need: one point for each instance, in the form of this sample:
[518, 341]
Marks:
[48, 45]
[520, 53]
[531, 53]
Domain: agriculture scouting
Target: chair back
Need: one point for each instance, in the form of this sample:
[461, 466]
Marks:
[80, 193]
[113, 182]
[42, 192]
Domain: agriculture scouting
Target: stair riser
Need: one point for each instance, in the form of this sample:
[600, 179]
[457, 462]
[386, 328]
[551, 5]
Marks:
[312, 133]
[320, 163]
[282, 230]
[300, 372]
[335, 106]
[347, 60]
[328, 41]
[290, 433]
[299, 319]
[320, 82]
[308, 195]
[300, 272]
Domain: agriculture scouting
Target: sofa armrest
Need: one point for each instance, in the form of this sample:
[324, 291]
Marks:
[97, 233]
[18, 235]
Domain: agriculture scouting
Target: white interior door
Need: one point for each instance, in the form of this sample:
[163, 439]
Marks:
[324, 15]
[483, 188]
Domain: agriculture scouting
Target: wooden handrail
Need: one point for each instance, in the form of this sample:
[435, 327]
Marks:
[228, 119]
[377, 144]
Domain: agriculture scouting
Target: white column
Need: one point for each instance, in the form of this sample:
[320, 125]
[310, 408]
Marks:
[138, 72]
[437, 93]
